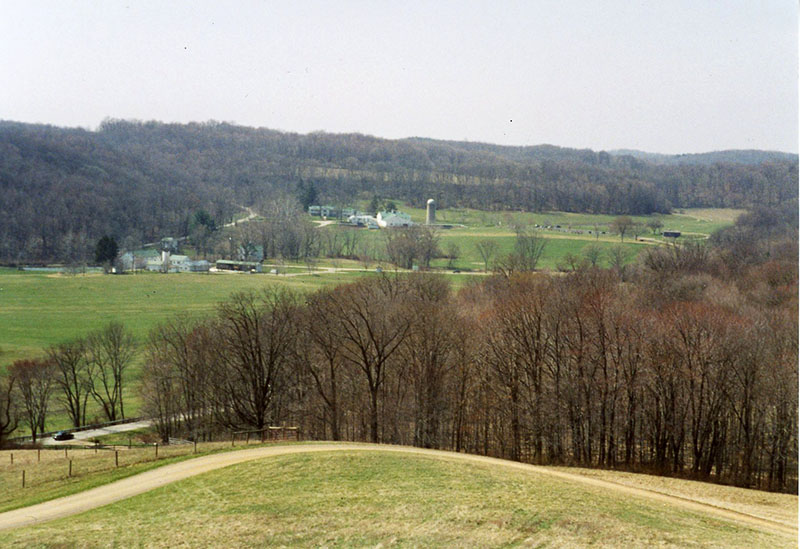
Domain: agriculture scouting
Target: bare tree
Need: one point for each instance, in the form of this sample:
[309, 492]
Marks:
[618, 258]
[453, 251]
[593, 253]
[320, 352]
[34, 384]
[621, 225]
[109, 352]
[487, 249]
[654, 224]
[374, 324]
[401, 247]
[72, 377]
[159, 389]
[256, 333]
[181, 359]
[529, 246]
[428, 351]
[9, 410]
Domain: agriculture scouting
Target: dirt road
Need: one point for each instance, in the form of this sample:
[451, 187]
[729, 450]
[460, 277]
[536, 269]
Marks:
[131, 486]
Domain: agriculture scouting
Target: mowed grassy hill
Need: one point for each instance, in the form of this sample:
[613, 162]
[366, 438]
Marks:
[380, 498]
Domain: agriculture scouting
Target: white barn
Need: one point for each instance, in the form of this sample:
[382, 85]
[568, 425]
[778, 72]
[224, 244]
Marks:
[176, 264]
[361, 220]
[393, 219]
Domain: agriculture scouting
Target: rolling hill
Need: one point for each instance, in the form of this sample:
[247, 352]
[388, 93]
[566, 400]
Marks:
[64, 188]
[365, 495]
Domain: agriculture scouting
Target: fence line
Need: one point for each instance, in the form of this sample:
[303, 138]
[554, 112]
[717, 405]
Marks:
[40, 466]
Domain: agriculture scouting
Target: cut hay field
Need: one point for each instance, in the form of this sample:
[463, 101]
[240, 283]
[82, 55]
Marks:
[380, 498]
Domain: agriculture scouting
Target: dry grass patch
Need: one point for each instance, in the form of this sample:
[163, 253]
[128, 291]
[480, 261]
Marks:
[778, 507]
[346, 499]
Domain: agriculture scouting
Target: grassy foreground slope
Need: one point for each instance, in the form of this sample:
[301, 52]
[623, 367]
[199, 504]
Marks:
[366, 499]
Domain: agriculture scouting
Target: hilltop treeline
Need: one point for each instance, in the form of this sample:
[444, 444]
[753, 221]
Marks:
[63, 189]
[688, 366]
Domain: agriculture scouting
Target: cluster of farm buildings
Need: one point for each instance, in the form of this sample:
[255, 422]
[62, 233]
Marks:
[360, 219]
[381, 220]
[169, 262]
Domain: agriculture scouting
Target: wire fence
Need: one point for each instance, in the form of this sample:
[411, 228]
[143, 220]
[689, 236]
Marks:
[47, 467]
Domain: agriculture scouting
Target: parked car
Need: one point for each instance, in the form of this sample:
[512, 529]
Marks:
[63, 435]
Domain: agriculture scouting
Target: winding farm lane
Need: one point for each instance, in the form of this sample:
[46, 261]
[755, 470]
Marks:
[149, 480]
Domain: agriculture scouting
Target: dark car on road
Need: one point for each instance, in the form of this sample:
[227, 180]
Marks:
[63, 435]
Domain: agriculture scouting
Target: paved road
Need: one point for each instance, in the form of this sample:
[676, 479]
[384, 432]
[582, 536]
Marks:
[138, 484]
[92, 433]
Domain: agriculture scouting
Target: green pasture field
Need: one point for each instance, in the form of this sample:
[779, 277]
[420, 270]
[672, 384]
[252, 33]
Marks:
[377, 499]
[572, 237]
[701, 221]
[38, 310]
[555, 250]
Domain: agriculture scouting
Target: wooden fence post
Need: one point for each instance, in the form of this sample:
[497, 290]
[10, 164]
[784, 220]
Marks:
[195, 446]
[12, 458]
[23, 478]
[38, 455]
[232, 443]
[116, 458]
[129, 443]
[248, 437]
[156, 449]
[70, 467]
[65, 453]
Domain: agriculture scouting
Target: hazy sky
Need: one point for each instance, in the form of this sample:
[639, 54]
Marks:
[659, 76]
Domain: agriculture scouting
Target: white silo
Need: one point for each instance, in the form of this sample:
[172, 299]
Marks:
[430, 219]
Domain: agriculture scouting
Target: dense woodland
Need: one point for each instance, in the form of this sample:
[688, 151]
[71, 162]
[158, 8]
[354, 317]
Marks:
[63, 189]
[685, 363]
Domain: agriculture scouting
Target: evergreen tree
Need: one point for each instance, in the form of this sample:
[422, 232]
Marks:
[106, 251]
[307, 195]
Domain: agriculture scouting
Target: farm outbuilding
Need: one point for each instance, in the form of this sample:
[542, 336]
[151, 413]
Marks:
[393, 219]
[244, 266]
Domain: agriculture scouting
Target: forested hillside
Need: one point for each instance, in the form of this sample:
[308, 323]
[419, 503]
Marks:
[62, 189]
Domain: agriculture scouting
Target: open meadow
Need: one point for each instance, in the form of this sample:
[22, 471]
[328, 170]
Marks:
[37, 310]
[407, 499]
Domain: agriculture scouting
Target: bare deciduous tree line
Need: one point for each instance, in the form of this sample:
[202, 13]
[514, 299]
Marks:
[71, 373]
[693, 376]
